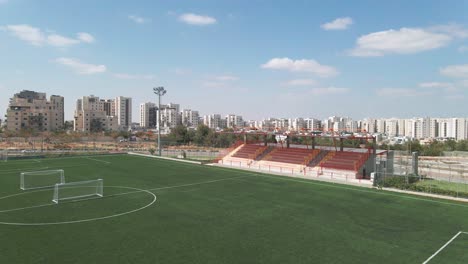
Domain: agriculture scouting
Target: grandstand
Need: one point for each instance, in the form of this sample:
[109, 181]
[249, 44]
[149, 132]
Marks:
[351, 162]
[297, 156]
[248, 151]
[344, 160]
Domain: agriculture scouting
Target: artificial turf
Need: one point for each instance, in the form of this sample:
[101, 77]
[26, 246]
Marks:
[207, 214]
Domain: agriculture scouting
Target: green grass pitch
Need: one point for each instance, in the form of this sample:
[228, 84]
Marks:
[206, 214]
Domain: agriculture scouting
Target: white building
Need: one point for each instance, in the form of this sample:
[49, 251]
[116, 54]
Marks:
[312, 124]
[190, 118]
[123, 111]
[148, 115]
[234, 121]
[214, 121]
[296, 124]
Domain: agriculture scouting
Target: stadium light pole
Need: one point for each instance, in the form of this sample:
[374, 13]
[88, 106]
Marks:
[159, 91]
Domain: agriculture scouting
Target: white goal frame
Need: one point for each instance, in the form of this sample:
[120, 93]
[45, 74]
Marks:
[4, 155]
[98, 191]
[24, 175]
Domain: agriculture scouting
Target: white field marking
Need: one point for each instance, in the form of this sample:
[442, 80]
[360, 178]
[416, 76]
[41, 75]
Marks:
[107, 162]
[331, 185]
[70, 157]
[445, 245]
[137, 190]
[25, 208]
[361, 189]
[90, 219]
[23, 169]
[36, 160]
[171, 187]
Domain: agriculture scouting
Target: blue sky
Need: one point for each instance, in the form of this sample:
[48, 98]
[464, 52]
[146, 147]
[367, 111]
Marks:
[254, 58]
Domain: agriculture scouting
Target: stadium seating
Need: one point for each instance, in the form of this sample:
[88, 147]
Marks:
[249, 151]
[344, 160]
[297, 156]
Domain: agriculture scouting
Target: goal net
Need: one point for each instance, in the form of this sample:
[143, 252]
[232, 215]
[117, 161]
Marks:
[3, 155]
[77, 190]
[41, 179]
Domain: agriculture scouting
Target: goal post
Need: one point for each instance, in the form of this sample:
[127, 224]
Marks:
[78, 190]
[41, 179]
[3, 155]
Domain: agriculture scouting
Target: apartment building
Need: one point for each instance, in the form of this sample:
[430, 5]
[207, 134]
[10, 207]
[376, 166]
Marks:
[32, 110]
[91, 115]
[190, 118]
[148, 115]
[123, 112]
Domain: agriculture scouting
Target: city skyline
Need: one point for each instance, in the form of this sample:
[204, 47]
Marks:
[393, 59]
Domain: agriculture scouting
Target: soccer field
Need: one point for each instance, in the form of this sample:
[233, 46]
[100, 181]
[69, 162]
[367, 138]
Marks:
[159, 211]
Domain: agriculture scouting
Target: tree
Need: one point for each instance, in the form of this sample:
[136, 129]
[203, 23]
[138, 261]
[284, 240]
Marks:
[451, 144]
[179, 134]
[96, 126]
[201, 134]
[462, 145]
[68, 125]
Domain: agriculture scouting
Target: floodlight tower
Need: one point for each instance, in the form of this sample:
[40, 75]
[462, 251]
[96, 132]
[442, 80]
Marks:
[159, 91]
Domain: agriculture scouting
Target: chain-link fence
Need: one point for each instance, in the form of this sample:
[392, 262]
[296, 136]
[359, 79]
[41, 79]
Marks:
[444, 175]
[199, 155]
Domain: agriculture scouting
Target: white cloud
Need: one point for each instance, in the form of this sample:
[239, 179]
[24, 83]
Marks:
[60, 41]
[126, 76]
[300, 82]
[455, 97]
[435, 85]
[35, 36]
[328, 91]
[457, 71]
[85, 37]
[198, 20]
[448, 87]
[401, 92]
[226, 78]
[214, 84]
[402, 41]
[464, 83]
[80, 67]
[220, 81]
[138, 19]
[27, 33]
[338, 24]
[303, 65]
[463, 48]
[454, 30]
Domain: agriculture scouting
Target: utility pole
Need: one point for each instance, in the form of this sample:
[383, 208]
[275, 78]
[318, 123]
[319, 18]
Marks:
[159, 91]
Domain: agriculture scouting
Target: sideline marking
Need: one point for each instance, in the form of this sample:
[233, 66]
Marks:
[446, 244]
[22, 169]
[107, 162]
[357, 188]
[90, 219]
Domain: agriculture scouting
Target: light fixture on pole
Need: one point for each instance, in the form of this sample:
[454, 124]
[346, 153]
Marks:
[160, 92]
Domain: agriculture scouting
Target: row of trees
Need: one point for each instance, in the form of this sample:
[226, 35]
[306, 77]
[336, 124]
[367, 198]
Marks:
[434, 148]
[202, 136]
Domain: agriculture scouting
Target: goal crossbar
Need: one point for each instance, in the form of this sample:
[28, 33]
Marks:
[41, 179]
[78, 190]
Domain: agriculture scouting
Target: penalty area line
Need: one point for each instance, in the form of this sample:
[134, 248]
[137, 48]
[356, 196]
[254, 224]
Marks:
[444, 246]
